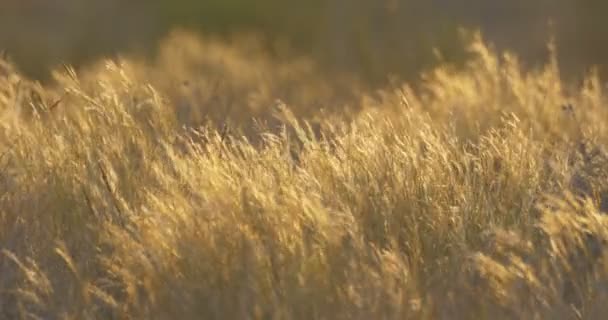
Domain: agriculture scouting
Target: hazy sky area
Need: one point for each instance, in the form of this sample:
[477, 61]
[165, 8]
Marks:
[370, 37]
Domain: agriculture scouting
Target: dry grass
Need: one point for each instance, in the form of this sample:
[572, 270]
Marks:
[477, 195]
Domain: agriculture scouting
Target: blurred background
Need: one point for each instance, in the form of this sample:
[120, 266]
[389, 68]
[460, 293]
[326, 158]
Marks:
[370, 38]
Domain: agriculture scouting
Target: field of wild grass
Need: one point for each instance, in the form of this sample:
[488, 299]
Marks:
[217, 183]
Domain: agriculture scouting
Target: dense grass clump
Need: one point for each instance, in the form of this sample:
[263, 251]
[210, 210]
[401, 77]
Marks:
[126, 193]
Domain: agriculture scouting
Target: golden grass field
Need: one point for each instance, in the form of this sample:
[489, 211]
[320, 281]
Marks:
[137, 189]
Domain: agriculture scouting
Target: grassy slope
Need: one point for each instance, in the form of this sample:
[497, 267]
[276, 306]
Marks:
[447, 201]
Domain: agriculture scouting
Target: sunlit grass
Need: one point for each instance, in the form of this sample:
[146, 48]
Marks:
[478, 194]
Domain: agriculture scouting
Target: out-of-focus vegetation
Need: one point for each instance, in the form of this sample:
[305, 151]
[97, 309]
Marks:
[370, 37]
[480, 193]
